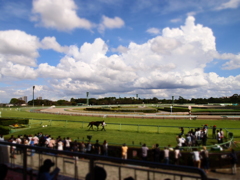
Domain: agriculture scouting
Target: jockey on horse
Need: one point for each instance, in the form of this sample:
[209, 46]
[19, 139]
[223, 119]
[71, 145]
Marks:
[94, 123]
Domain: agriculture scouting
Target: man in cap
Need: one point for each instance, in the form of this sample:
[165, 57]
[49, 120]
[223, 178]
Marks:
[44, 171]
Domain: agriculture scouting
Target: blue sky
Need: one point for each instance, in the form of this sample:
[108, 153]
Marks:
[155, 48]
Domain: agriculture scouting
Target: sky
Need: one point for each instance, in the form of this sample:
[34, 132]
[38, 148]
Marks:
[119, 48]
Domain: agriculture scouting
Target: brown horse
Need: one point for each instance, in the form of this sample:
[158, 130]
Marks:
[94, 123]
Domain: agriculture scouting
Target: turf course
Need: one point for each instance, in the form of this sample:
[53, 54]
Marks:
[131, 134]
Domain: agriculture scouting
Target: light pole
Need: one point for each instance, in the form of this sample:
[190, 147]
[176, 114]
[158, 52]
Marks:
[33, 95]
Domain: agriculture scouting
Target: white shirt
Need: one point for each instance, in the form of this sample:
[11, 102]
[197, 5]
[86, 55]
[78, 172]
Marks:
[196, 156]
[144, 151]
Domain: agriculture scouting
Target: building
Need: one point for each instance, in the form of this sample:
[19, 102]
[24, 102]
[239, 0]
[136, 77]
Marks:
[24, 98]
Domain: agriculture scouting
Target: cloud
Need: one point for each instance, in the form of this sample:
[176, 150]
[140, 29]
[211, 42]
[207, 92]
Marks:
[175, 20]
[231, 4]
[51, 43]
[58, 14]
[153, 31]
[120, 49]
[172, 63]
[18, 47]
[160, 63]
[110, 23]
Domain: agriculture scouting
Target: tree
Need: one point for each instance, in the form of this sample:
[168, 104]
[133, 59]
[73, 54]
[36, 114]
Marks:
[16, 101]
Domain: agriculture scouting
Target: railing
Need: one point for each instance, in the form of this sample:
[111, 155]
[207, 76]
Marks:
[61, 158]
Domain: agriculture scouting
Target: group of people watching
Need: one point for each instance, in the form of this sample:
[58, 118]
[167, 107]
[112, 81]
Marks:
[58, 143]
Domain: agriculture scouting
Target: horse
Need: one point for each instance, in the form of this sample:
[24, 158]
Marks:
[94, 123]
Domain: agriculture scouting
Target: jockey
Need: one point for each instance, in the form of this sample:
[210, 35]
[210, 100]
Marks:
[103, 124]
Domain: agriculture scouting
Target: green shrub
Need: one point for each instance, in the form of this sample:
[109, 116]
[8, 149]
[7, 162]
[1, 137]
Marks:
[4, 130]
[11, 121]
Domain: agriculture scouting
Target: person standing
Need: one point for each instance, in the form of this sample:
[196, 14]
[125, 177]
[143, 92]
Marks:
[166, 155]
[60, 144]
[52, 143]
[124, 151]
[68, 145]
[97, 148]
[182, 131]
[32, 144]
[13, 149]
[144, 152]
[218, 137]
[221, 135]
[156, 153]
[196, 158]
[234, 160]
[214, 128]
[177, 155]
[205, 156]
[89, 147]
[105, 148]
[204, 139]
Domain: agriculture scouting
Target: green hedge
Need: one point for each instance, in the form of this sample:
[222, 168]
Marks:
[11, 121]
[175, 109]
[115, 109]
[4, 130]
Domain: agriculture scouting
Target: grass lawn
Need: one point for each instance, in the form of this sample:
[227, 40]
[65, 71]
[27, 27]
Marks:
[117, 133]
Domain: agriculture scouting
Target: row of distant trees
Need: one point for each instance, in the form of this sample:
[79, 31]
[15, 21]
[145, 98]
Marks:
[235, 98]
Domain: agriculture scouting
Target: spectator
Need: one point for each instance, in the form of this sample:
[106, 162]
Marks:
[234, 160]
[156, 153]
[44, 171]
[68, 141]
[170, 148]
[52, 143]
[221, 135]
[180, 141]
[188, 140]
[82, 147]
[99, 174]
[97, 148]
[144, 152]
[124, 151]
[75, 148]
[196, 158]
[13, 149]
[32, 144]
[19, 141]
[60, 144]
[177, 155]
[218, 136]
[1, 137]
[105, 148]
[166, 155]
[89, 147]
[204, 139]
[205, 159]
[182, 131]
[214, 132]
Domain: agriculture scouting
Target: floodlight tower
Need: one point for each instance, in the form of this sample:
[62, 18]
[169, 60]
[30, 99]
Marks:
[33, 95]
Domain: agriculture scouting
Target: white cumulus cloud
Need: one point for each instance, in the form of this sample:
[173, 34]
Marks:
[231, 4]
[58, 14]
[153, 31]
[110, 23]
